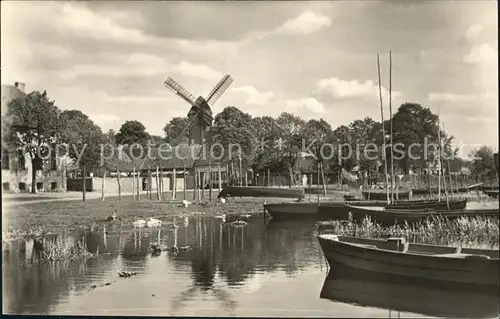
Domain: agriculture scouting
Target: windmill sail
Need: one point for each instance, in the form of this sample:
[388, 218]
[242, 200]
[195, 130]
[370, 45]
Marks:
[219, 89]
[180, 91]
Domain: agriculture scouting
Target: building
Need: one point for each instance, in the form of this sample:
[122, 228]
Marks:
[17, 167]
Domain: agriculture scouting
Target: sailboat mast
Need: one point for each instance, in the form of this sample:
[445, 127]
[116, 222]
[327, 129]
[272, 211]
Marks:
[439, 170]
[383, 131]
[441, 165]
[390, 114]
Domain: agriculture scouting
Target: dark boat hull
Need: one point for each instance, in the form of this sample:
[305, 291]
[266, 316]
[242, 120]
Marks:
[393, 216]
[491, 193]
[429, 204]
[258, 191]
[313, 211]
[395, 258]
[368, 195]
[406, 294]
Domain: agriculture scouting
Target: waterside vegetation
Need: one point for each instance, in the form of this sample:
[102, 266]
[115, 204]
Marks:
[464, 231]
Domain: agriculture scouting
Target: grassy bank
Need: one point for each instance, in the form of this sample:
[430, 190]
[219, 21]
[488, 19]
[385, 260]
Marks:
[470, 232]
[43, 218]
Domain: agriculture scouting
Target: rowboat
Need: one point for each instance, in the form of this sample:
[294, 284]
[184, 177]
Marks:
[405, 294]
[381, 195]
[435, 190]
[313, 210]
[491, 193]
[260, 191]
[395, 256]
[392, 216]
[429, 204]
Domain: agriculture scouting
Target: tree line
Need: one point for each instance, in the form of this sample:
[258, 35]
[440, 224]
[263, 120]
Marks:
[35, 124]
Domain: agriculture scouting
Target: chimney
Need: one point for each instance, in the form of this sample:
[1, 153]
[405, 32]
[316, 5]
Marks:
[21, 86]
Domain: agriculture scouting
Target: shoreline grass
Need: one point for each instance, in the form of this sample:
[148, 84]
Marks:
[465, 231]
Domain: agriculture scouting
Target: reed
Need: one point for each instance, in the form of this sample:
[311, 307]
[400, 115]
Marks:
[59, 249]
[437, 230]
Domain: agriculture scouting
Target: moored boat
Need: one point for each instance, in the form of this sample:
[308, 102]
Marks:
[313, 210]
[431, 262]
[406, 294]
[491, 193]
[381, 195]
[261, 191]
[429, 204]
[392, 216]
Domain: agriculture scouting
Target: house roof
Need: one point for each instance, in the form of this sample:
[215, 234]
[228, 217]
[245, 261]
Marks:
[9, 93]
[163, 157]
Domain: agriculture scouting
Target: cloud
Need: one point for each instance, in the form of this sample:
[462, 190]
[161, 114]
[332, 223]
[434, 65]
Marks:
[196, 70]
[452, 97]
[106, 121]
[310, 104]
[483, 54]
[140, 64]
[306, 23]
[449, 97]
[255, 97]
[352, 89]
[474, 30]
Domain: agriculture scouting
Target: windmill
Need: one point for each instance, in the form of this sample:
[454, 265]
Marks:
[200, 114]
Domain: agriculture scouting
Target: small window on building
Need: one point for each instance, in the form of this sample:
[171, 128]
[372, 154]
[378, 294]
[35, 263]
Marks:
[22, 186]
[5, 186]
[53, 164]
[5, 160]
[53, 186]
[39, 186]
[21, 161]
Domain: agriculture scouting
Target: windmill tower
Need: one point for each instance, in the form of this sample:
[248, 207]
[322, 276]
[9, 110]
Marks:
[200, 115]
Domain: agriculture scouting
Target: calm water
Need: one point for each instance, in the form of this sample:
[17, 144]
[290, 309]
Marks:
[257, 270]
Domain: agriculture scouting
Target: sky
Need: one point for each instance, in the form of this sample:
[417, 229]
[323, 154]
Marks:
[315, 59]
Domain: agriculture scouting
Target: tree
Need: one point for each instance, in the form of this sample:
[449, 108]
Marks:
[34, 125]
[292, 134]
[264, 156]
[413, 124]
[232, 126]
[483, 165]
[132, 132]
[177, 131]
[84, 138]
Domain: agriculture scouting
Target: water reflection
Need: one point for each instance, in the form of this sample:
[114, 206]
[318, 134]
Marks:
[404, 294]
[255, 270]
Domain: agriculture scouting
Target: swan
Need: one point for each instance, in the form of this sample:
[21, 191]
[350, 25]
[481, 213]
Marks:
[222, 217]
[222, 200]
[153, 222]
[139, 223]
[245, 216]
[185, 203]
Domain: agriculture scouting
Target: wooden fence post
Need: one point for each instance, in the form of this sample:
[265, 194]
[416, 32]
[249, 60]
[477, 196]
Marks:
[133, 184]
[138, 184]
[119, 185]
[157, 182]
[185, 180]
[219, 176]
[149, 187]
[174, 182]
[195, 187]
[84, 184]
[210, 180]
[102, 185]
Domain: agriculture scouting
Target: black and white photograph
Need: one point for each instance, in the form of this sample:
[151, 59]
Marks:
[250, 158]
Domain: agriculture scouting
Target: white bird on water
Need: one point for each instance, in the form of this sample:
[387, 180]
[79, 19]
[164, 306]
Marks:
[153, 222]
[185, 203]
[222, 200]
[139, 223]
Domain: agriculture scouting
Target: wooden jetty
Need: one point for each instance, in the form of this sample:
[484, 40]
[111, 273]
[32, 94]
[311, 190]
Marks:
[396, 257]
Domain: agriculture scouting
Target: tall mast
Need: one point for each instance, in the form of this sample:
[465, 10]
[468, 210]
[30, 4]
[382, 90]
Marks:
[383, 131]
[390, 114]
[441, 165]
[439, 154]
